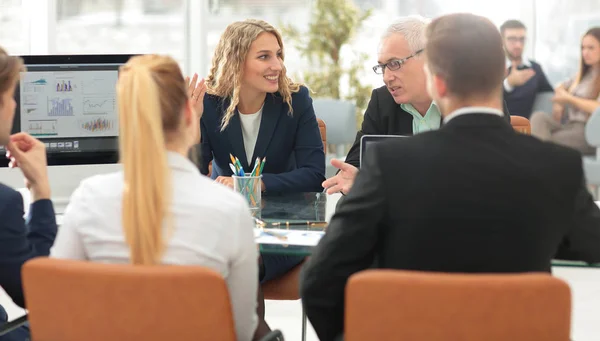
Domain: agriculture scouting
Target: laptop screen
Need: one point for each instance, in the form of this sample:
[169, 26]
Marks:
[367, 141]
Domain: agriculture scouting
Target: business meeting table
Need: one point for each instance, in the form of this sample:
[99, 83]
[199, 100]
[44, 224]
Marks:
[307, 212]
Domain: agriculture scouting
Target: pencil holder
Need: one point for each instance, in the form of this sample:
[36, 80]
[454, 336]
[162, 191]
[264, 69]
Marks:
[249, 187]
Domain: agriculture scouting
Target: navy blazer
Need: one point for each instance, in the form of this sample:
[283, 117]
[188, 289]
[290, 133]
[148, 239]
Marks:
[290, 142]
[22, 240]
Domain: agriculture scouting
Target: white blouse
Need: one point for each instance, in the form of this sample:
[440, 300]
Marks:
[212, 228]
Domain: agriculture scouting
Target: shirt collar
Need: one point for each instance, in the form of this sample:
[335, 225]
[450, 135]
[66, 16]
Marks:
[411, 109]
[473, 110]
[178, 161]
[524, 61]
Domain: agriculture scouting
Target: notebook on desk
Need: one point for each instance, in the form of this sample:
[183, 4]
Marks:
[366, 141]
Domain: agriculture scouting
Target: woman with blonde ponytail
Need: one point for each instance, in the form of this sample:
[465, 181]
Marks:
[159, 209]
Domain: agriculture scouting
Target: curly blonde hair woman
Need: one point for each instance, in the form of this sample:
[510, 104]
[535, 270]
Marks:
[159, 209]
[254, 110]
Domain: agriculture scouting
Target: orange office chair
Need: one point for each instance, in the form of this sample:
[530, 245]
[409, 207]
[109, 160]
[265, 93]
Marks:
[405, 305]
[323, 129]
[73, 301]
[520, 124]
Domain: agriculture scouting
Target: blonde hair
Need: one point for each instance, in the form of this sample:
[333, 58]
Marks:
[151, 93]
[10, 66]
[226, 72]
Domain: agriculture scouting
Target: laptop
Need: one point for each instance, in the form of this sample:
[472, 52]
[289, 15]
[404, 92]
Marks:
[366, 141]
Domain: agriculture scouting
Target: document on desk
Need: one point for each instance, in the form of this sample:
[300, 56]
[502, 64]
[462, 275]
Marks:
[287, 237]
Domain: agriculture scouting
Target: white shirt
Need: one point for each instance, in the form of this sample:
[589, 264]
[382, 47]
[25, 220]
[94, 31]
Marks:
[473, 110]
[250, 126]
[212, 228]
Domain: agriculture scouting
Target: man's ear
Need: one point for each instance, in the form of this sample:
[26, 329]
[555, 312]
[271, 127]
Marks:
[440, 86]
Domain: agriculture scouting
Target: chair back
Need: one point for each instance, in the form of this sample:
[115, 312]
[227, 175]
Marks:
[340, 117]
[323, 130]
[520, 124]
[73, 301]
[404, 305]
[543, 102]
[592, 129]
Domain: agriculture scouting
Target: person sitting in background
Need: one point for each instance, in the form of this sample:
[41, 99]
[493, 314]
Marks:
[525, 78]
[576, 99]
[21, 240]
[402, 106]
[474, 196]
[253, 110]
[160, 209]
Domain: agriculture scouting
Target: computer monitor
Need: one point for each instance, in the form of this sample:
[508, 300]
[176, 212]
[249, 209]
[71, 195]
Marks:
[69, 103]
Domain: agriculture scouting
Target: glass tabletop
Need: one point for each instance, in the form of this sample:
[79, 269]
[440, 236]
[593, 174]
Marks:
[299, 210]
[316, 207]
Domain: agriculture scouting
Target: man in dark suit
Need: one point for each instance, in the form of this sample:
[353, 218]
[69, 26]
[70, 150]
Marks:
[524, 77]
[474, 196]
[402, 106]
[21, 240]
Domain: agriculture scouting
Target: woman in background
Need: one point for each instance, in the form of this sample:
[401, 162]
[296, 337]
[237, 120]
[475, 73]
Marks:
[576, 98]
[160, 209]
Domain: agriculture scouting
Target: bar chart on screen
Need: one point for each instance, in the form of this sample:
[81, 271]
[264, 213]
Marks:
[60, 107]
[98, 126]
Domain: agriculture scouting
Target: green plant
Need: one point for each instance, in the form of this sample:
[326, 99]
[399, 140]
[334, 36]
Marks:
[333, 25]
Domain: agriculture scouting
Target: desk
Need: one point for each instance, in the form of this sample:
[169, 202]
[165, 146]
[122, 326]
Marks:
[319, 207]
[295, 208]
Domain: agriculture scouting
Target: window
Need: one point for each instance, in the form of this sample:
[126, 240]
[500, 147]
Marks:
[560, 27]
[119, 26]
[14, 30]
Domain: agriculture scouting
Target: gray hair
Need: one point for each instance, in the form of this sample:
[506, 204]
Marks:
[412, 28]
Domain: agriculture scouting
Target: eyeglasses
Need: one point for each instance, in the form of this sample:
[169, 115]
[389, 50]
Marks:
[394, 64]
[516, 39]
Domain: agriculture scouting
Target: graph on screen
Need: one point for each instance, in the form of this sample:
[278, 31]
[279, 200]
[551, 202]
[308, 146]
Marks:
[98, 125]
[30, 99]
[41, 81]
[98, 105]
[42, 128]
[99, 85]
[64, 86]
[60, 107]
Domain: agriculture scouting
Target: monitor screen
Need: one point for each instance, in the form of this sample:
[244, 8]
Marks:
[69, 103]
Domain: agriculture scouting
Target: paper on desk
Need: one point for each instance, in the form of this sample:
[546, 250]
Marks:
[287, 237]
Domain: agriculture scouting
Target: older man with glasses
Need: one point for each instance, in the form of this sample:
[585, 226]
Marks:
[402, 106]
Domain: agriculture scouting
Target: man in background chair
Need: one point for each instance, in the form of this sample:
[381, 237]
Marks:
[402, 106]
[525, 78]
[474, 196]
[21, 240]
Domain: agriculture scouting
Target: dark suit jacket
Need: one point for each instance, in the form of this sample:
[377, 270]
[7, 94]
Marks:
[385, 117]
[22, 240]
[474, 196]
[520, 101]
[290, 142]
